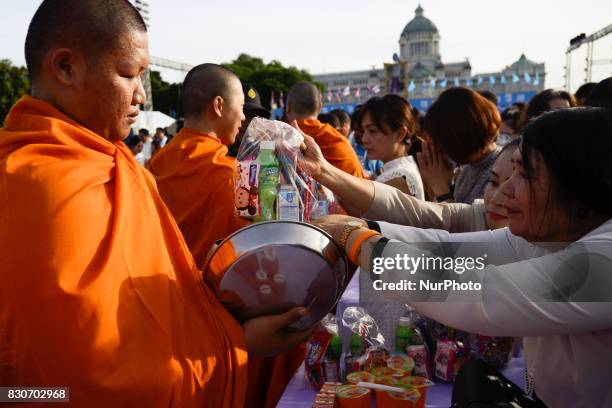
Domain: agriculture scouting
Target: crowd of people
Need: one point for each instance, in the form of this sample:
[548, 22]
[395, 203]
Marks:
[105, 232]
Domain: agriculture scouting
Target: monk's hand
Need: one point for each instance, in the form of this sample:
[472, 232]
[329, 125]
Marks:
[267, 335]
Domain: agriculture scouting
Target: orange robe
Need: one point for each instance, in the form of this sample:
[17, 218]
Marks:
[98, 289]
[196, 179]
[335, 148]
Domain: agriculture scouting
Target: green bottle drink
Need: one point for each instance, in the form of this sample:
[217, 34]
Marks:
[403, 334]
[269, 178]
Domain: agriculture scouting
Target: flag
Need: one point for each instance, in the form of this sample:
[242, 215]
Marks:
[456, 81]
[376, 89]
[329, 95]
[503, 79]
[433, 84]
[479, 81]
[515, 78]
[347, 91]
[281, 102]
[527, 78]
[411, 86]
[358, 94]
[491, 80]
[443, 83]
[536, 81]
[272, 101]
[469, 82]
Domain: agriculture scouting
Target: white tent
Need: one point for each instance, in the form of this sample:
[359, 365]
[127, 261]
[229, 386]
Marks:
[152, 120]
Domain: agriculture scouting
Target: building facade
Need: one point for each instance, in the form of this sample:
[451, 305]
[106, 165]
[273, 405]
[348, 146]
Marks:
[419, 74]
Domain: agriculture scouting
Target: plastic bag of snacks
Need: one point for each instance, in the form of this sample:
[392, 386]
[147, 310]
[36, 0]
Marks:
[271, 184]
[323, 353]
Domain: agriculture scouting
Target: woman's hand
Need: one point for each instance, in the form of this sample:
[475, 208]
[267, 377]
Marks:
[436, 170]
[266, 336]
[334, 224]
[313, 160]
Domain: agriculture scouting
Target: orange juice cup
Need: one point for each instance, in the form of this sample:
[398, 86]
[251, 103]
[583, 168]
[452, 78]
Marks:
[406, 399]
[382, 397]
[351, 396]
[418, 383]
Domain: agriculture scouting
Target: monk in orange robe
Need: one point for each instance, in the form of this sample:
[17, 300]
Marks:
[303, 105]
[196, 180]
[99, 291]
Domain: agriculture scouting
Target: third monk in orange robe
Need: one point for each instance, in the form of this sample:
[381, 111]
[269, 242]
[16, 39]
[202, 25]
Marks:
[99, 291]
[196, 180]
[304, 104]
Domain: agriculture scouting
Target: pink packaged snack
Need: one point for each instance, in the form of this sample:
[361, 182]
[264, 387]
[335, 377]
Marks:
[420, 355]
[247, 189]
[450, 356]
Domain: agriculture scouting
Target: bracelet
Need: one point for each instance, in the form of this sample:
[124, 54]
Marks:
[355, 249]
[444, 197]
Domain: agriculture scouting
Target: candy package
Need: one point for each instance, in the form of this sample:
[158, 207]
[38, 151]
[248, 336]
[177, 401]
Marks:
[271, 184]
[450, 356]
[323, 353]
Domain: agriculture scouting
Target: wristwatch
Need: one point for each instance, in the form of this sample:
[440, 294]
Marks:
[346, 232]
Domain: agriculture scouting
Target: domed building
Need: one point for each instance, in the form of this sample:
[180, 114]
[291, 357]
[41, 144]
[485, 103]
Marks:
[419, 74]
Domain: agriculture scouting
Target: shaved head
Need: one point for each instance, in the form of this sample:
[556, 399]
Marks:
[202, 84]
[94, 27]
[304, 99]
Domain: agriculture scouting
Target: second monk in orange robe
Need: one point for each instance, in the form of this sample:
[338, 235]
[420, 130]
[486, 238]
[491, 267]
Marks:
[196, 180]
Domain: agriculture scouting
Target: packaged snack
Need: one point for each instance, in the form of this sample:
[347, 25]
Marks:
[247, 189]
[450, 356]
[420, 356]
[320, 361]
[420, 384]
[351, 396]
[401, 364]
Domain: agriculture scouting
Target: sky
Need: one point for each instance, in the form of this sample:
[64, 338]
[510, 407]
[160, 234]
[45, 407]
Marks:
[340, 35]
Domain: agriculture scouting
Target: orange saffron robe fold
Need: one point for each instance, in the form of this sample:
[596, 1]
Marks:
[99, 291]
[196, 179]
[335, 148]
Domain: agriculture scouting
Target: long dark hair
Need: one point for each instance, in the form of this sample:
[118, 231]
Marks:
[539, 104]
[576, 146]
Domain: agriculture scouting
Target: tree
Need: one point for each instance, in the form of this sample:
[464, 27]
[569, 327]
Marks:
[166, 96]
[14, 83]
[267, 78]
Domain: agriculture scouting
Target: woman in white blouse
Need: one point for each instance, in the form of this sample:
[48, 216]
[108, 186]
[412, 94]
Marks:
[558, 300]
[389, 136]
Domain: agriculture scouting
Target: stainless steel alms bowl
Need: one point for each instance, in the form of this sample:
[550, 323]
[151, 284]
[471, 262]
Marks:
[270, 267]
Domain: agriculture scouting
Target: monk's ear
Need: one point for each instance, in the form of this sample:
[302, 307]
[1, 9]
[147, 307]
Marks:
[62, 65]
[217, 106]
